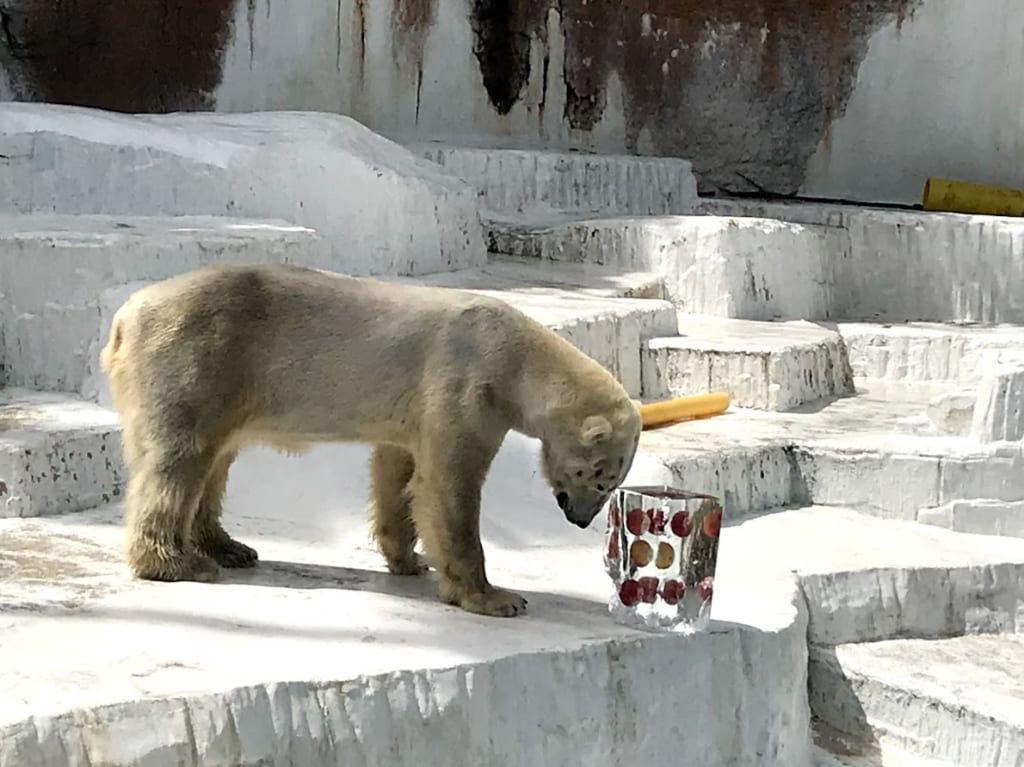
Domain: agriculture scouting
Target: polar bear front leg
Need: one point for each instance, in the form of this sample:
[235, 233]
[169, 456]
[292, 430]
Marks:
[446, 510]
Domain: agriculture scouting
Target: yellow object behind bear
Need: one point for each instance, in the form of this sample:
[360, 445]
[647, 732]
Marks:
[696, 406]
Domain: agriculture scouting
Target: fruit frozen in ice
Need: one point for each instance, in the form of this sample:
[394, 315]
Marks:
[640, 553]
[681, 524]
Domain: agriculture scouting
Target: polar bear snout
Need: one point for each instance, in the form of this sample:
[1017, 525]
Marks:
[581, 517]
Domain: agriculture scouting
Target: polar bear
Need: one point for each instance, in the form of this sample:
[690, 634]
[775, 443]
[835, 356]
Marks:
[210, 361]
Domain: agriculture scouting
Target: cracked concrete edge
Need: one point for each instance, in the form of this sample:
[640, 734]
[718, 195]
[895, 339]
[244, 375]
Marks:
[539, 708]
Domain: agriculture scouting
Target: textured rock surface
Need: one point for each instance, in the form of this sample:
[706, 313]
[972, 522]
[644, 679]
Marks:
[769, 366]
[959, 700]
[382, 209]
[999, 412]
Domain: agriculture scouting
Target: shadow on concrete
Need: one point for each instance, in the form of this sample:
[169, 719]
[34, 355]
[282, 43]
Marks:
[839, 723]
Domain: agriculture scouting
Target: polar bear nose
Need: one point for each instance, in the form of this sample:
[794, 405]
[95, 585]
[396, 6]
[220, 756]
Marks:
[563, 500]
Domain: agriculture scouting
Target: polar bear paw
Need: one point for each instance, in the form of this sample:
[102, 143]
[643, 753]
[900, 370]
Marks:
[498, 603]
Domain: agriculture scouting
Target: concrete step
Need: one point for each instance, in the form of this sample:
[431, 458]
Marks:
[56, 454]
[926, 352]
[55, 268]
[867, 579]
[722, 266]
[908, 265]
[357, 666]
[959, 700]
[533, 182]
[764, 365]
[381, 208]
[877, 451]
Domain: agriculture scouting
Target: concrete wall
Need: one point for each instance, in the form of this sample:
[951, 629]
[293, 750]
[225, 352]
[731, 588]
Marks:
[833, 98]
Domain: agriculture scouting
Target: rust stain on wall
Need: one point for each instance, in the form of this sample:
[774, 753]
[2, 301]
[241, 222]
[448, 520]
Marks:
[125, 55]
[752, 74]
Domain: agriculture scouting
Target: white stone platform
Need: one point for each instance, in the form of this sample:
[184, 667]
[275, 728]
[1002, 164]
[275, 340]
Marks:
[318, 656]
[381, 208]
[764, 365]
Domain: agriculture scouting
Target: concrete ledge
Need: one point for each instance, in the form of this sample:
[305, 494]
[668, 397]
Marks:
[56, 454]
[867, 579]
[769, 366]
[912, 265]
[512, 181]
[382, 209]
[980, 516]
[957, 700]
[726, 267]
[926, 351]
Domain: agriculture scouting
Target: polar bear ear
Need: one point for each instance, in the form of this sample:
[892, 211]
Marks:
[595, 429]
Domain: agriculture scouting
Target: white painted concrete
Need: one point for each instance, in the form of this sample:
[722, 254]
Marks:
[958, 700]
[935, 96]
[381, 208]
[912, 266]
[980, 516]
[999, 412]
[319, 657]
[867, 579]
[54, 268]
[730, 267]
[764, 365]
[519, 183]
[927, 351]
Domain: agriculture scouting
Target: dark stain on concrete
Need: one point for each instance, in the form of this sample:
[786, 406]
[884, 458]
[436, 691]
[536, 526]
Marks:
[124, 55]
[744, 88]
[411, 21]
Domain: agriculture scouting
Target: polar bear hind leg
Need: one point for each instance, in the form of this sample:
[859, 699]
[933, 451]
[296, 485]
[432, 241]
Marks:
[391, 469]
[208, 533]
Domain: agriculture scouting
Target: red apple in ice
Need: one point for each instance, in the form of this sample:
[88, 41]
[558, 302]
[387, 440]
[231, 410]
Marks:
[673, 591]
[629, 592]
[636, 521]
[680, 524]
[648, 588]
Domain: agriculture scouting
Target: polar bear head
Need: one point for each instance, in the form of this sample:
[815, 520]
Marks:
[585, 462]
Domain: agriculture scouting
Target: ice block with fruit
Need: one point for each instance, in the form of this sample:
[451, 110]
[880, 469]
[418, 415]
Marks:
[661, 551]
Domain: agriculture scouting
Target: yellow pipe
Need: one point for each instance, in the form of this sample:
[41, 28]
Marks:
[962, 197]
[695, 406]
